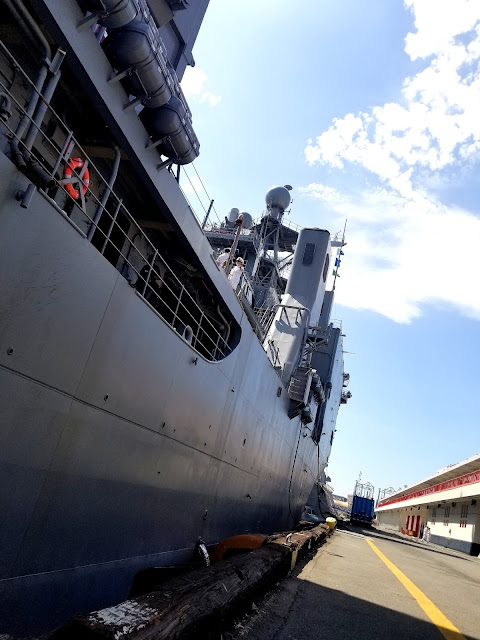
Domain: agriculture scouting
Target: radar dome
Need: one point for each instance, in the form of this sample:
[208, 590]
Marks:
[247, 220]
[278, 198]
[233, 215]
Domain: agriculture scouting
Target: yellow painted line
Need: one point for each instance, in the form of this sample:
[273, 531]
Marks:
[446, 628]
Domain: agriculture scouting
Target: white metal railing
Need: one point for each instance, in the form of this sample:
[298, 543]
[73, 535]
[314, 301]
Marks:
[111, 228]
[265, 317]
[275, 353]
[291, 225]
[215, 227]
[245, 289]
[218, 229]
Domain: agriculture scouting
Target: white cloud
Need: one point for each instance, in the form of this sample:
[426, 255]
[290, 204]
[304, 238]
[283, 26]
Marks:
[402, 240]
[207, 96]
[320, 191]
[404, 252]
[437, 123]
[438, 22]
[193, 86]
[332, 144]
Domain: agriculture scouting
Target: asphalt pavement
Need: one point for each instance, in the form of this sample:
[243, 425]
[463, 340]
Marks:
[371, 584]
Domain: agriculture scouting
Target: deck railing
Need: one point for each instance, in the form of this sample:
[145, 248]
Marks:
[101, 216]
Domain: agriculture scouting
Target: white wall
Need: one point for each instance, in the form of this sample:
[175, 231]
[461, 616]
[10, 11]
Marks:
[389, 520]
[453, 528]
[395, 520]
[452, 495]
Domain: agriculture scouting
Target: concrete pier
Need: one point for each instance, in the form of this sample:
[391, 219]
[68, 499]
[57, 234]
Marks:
[350, 590]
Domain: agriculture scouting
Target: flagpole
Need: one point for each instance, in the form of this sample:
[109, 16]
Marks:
[339, 252]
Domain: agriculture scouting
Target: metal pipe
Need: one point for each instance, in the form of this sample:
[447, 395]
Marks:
[197, 336]
[30, 27]
[208, 213]
[106, 194]
[252, 318]
[26, 118]
[42, 105]
[5, 107]
[229, 265]
[179, 301]
[25, 197]
[112, 224]
[44, 101]
[227, 326]
[23, 16]
[147, 279]
[64, 153]
[43, 178]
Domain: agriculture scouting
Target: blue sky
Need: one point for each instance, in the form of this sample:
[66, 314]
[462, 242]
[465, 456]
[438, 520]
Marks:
[371, 111]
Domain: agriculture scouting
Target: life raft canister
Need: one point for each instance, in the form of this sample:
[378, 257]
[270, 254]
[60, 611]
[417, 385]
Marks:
[76, 163]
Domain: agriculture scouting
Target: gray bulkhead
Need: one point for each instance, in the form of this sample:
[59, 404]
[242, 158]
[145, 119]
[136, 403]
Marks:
[302, 301]
[326, 310]
[119, 450]
[120, 444]
[328, 362]
[90, 64]
[179, 33]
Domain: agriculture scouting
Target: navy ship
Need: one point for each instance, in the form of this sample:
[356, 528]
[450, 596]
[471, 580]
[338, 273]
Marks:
[151, 395]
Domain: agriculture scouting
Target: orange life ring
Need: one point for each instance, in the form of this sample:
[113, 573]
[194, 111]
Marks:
[76, 163]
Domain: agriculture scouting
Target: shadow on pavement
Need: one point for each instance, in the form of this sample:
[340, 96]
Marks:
[302, 610]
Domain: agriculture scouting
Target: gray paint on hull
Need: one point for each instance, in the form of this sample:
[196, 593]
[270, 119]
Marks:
[96, 485]
[90, 65]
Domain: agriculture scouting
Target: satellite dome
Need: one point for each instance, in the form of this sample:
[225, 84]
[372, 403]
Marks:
[278, 198]
[233, 215]
[247, 220]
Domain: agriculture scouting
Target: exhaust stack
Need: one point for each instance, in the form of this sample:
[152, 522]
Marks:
[302, 302]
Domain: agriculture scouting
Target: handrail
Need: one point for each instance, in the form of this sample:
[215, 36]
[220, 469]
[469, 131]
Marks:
[292, 306]
[143, 266]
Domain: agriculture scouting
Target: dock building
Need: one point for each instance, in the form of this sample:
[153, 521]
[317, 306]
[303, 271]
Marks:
[447, 502]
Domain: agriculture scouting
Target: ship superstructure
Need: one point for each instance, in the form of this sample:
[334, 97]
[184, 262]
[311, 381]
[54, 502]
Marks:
[145, 402]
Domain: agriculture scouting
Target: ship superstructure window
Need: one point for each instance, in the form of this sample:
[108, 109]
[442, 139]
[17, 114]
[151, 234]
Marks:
[308, 253]
[446, 516]
[325, 267]
[464, 515]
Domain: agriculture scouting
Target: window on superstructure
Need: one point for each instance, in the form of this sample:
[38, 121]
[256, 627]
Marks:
[325, 267]
[464, 515]
[446, 516]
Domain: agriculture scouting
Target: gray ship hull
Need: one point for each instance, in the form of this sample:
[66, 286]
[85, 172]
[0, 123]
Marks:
[120, 445]
[146, 402]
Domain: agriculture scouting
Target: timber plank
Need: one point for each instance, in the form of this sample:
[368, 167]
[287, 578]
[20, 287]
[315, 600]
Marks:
[186, 604]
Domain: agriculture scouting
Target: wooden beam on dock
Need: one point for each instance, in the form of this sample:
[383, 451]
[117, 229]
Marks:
[189, 603]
